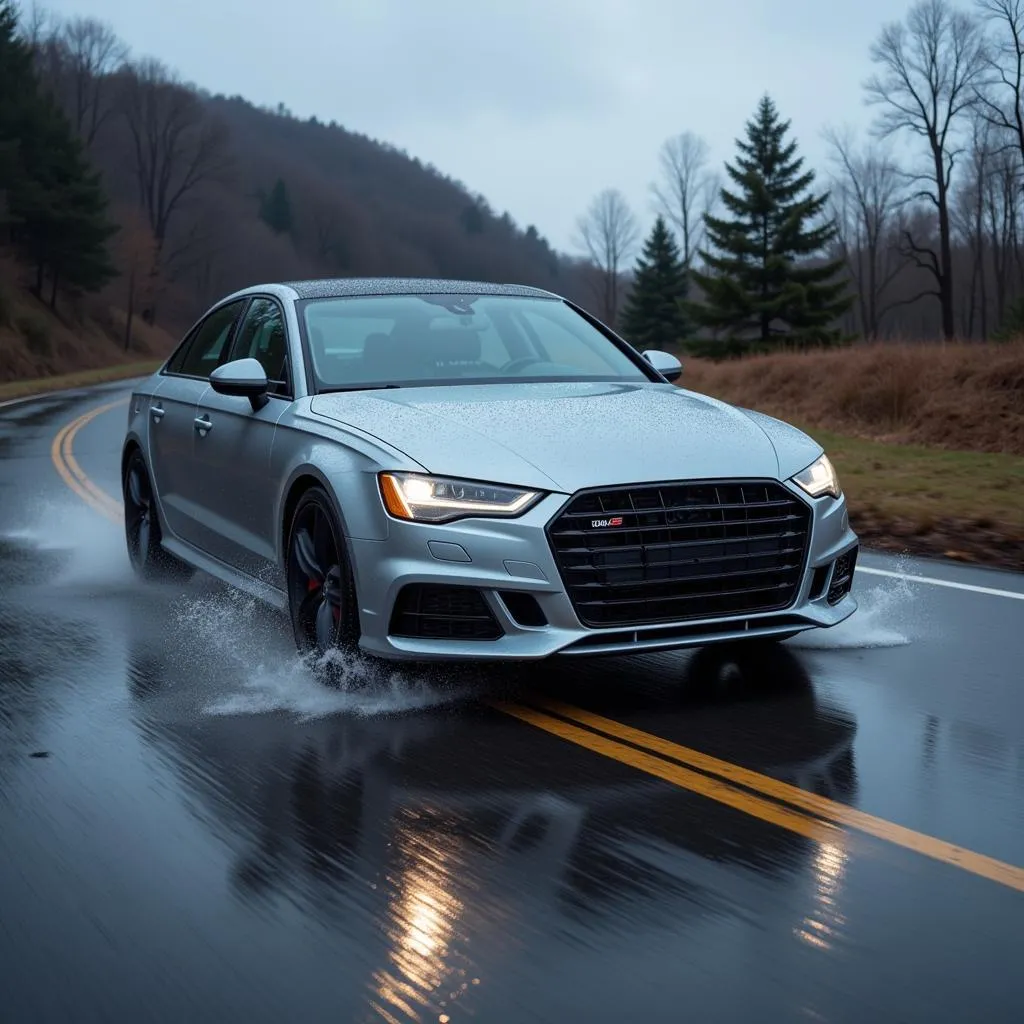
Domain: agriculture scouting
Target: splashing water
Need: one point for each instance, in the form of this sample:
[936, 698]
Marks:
[887, 614]
[93, 548]
[265, 674]
[214, 638]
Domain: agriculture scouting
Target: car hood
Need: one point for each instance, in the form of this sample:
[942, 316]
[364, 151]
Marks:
[562, 436]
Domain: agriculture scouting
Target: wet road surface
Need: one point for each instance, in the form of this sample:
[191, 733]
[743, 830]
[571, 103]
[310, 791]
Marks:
[192, 829]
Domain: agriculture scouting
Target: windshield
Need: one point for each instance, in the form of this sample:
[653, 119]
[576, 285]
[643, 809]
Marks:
[409, 340]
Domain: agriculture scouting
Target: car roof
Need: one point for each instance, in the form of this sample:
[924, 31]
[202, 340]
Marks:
[328, 288]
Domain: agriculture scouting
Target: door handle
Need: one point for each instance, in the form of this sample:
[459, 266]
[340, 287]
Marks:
[156, 412]
[203, 425]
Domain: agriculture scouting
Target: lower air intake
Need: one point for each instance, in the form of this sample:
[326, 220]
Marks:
[842, 576]
[426, 611]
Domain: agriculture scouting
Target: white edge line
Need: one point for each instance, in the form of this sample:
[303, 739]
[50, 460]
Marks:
[1012, 594]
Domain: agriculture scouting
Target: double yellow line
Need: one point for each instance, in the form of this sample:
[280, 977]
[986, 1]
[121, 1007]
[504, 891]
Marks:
[72, 473]
[760, 796]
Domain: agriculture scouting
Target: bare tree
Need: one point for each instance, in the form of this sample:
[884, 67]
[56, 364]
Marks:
[867, 195]
[969, 220]
[1000, 94]
[687, 189]
[1002, 219]
[36, 25]
[175, 147]
[929, 72]
[92, 52]
[608, 233]
[135, 252]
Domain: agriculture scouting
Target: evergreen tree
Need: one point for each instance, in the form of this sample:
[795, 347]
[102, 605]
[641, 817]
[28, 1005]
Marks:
[472, 218]
[55, 205]
[759, 280]
[276, 209]
[655, 313]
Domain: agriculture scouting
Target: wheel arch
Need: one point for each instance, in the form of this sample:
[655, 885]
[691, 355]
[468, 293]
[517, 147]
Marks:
[304, 478]
[132, 444]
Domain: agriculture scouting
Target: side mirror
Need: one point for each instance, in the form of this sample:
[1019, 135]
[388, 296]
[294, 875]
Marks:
[667, 365]
[244, 378]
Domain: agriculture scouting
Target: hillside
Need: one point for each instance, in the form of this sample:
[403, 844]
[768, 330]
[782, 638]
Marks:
[198, 195]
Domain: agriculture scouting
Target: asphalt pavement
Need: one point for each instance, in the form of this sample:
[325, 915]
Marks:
[193, 829]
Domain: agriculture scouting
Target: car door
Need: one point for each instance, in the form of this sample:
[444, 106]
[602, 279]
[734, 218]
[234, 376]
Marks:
[232, 448]
[172, 415]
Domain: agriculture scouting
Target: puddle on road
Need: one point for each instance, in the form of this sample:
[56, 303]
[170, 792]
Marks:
[237, 658]
[230, 653]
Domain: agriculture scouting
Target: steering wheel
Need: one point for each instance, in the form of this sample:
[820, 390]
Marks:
[521, 363]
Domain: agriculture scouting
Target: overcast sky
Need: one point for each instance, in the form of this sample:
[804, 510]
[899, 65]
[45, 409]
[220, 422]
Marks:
[538, 104]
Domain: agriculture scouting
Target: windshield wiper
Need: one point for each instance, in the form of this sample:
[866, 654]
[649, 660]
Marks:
[357, 387]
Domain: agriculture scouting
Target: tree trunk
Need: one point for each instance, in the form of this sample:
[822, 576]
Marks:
[53, 292]
[131, 310]
[945, 249]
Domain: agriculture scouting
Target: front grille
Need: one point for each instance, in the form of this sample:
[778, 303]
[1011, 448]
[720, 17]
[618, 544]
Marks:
[676, 551]
[427, 611]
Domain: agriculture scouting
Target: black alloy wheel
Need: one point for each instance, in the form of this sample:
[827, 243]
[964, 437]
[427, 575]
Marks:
[142, 527]
[321, 591]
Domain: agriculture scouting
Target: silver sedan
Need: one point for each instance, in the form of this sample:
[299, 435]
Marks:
[447, 470]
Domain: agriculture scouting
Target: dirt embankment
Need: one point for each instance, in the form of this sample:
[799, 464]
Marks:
[36, 342]
[962, 396]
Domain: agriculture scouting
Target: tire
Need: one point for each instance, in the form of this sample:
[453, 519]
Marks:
[321, 588]
[142, 528]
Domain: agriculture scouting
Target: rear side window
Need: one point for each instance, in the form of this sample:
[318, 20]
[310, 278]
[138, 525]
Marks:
[202, 353]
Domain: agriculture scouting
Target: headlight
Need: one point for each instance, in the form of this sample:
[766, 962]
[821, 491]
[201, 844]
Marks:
[435, 499]
[820, 478]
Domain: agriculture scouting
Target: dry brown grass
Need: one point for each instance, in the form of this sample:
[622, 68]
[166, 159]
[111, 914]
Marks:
[959, 395]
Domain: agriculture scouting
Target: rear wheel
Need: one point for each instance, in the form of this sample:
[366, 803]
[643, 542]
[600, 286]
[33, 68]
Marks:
[142, 527]
[321, 589]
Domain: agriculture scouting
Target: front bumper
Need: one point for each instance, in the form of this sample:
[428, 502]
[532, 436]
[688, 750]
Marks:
[496, 557]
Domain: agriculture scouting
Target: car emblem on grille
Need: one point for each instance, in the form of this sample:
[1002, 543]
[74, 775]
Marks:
[596, 524]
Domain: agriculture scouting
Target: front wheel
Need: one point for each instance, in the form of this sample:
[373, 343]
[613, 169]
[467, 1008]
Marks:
[142, 527]
[321, 589]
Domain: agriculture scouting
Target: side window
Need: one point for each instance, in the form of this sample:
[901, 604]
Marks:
[262, 336]
[202, 355]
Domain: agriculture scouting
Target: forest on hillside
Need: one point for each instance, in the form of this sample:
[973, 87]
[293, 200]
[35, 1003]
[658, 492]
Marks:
[174, 196]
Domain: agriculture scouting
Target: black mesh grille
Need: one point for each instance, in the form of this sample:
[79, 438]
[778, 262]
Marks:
[842, 576]
[441, 612]
[668, 552]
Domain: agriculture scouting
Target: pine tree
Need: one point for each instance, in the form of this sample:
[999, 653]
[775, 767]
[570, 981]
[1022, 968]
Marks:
[762, 278]
[655, 315]
[276, 209]
[55, 205]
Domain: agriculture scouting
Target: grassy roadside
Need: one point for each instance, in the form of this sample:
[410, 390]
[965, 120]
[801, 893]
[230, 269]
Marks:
[81, 379]
[929, 501]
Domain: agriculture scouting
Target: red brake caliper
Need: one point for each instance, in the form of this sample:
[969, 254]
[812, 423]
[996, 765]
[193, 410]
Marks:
[337, 611]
